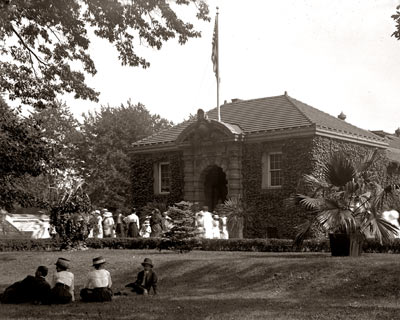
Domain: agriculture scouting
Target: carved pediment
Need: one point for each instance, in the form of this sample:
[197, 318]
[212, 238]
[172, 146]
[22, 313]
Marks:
[206, 130]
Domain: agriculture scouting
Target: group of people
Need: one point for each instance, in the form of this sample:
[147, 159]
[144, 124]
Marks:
[210, 225]
[108, 226]
[36, 290]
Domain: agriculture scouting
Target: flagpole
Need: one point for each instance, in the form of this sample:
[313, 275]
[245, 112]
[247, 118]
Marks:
[218, 109]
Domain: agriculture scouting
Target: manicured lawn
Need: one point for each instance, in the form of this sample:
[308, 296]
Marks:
[224, 285]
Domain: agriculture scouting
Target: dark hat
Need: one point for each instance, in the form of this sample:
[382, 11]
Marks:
[62, 262]
[98, 260]
[148, 262]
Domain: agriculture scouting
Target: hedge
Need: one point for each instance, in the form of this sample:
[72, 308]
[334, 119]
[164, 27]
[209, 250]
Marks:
[255, 245]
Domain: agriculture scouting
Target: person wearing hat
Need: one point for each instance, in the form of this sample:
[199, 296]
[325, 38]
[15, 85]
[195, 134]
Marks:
[108, 225]
[63, 283]
[98, 284]
[34, 289]
[146, 279]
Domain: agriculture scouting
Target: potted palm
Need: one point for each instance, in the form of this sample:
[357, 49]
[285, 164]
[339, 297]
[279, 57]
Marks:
[347, 201]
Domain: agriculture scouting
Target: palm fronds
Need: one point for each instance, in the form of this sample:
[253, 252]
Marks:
[346, 199]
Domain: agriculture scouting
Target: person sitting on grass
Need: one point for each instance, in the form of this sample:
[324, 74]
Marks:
[33, 289]
[63, 282]
[98, 285]
[146, 279]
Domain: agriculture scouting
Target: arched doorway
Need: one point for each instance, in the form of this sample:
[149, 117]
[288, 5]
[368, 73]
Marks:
[215, 187]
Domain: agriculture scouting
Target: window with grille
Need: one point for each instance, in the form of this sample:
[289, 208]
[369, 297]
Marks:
[164, 177]
[275, 170]
[272, 176]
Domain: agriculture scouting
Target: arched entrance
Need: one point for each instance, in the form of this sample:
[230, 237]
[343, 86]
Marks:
[215, 187]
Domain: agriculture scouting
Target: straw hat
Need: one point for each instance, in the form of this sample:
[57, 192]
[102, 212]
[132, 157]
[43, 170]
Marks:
[148, 262]
[62, 262]
[107, 214]
[98, 260]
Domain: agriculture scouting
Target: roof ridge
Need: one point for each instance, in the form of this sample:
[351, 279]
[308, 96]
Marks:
[250, 100]
[290, 99]
[333, 117]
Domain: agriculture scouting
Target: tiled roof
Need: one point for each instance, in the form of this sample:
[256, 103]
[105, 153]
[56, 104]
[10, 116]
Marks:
[394, 141]
[268, 114]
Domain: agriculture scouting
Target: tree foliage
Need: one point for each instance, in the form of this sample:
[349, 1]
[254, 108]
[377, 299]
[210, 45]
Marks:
[59, 129]
[23, 154]
[396, 18]
[44, 39]
[70, 216]
[108, 137]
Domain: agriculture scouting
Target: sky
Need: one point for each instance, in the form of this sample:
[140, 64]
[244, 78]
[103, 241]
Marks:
[337, 56]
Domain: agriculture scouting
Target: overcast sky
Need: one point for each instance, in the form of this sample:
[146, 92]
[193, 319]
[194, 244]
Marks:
[333, 55]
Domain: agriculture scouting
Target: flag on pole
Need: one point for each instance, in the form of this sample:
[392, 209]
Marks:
[214, 54]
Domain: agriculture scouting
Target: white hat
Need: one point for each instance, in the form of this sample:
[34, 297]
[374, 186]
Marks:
[107, 214]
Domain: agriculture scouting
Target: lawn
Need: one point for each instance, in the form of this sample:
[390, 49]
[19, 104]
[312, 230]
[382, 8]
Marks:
[223, 285]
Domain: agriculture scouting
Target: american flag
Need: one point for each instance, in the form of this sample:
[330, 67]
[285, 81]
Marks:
[214, 54]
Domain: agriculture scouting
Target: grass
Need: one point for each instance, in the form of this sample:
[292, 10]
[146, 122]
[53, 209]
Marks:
[223, 285]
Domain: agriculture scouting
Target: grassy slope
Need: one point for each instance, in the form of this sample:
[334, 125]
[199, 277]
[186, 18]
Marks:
[224, 285]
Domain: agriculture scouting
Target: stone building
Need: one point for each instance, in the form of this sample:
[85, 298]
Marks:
[259, 150]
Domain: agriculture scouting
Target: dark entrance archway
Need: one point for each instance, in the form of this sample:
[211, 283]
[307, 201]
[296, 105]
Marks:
[215, 187]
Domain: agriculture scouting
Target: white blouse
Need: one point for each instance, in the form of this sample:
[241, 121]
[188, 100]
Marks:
[98, 279]
[66, 278]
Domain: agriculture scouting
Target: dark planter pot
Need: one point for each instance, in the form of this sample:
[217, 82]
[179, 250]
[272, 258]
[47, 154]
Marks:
[343, 245]
[340, 244]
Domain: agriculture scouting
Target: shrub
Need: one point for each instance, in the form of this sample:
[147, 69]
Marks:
[255, 245]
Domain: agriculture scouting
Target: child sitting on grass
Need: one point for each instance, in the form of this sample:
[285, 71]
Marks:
[146, 279]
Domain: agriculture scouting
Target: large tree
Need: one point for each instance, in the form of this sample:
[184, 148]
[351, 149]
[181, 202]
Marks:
[108, 137]
[43, 39]
[23, 154]
[60, 131]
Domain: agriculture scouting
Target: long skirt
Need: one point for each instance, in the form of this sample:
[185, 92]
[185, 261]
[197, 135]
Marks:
[60, 294]
[133, 231]
[96, 294]
[119, 230]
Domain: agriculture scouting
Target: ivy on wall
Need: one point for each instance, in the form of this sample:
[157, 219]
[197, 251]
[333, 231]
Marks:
[267, 216]
[299, 157]
[143, 178]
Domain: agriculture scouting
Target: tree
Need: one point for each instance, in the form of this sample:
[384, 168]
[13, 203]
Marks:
[396, 18]
[42, 39]
[23, 153]
[105, 151]
[59, 129]
[71, 217]
[347, 198]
